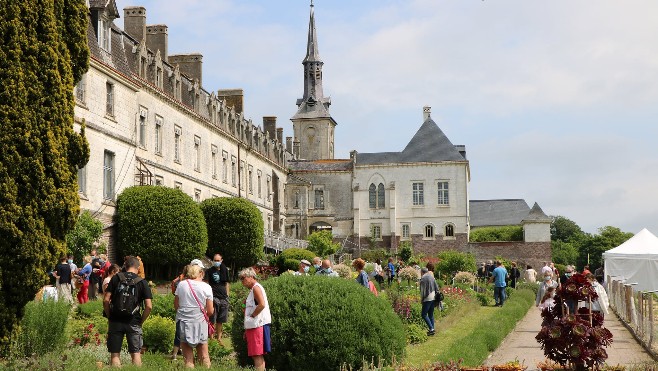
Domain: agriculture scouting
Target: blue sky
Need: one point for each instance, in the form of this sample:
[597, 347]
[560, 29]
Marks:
[556, 102]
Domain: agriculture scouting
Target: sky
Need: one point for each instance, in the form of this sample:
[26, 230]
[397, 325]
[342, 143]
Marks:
[556, 101]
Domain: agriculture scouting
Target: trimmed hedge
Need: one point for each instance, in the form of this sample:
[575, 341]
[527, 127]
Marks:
[492, 234]
[235, 230]
[161, 225]
[159, 333]
[476, 346]
[324, 323]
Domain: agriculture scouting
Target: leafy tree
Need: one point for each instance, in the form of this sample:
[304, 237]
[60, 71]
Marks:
[594, 246]
[81, 239]
[161, 225]
[454, 261]
[564, 253]
[321, 243]
[406, 251]
[235, 230]
[565, 230]
[491, 234]
[42, 55]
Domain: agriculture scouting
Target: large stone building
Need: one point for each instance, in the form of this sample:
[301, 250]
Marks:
[149, 120]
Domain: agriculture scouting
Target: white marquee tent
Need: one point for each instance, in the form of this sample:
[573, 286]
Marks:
[635, 261]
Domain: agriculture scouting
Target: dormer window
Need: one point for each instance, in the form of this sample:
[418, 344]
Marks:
[104, 33]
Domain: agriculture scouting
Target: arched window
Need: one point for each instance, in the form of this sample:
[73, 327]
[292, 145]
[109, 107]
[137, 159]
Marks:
[380, 196]
[372, 196]
[429, 231]
[450, 230]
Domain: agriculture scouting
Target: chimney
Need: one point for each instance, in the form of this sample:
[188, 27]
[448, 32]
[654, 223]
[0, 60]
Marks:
[189, 64]
[279, 135]
[289, 144]
[156, 39]
[426, 112]
[233, 98]
[134, 22]
[269, 126]
[462, 150]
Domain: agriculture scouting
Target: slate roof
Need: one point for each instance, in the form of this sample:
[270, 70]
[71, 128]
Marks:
[429, 144]
[536, 214]
[320, 165]
[485, 213]
[312, 109]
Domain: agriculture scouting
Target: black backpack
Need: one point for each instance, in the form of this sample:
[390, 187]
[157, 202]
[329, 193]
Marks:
[125, 302]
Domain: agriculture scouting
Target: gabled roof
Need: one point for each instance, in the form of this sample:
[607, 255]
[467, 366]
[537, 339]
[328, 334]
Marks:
[485, 213]
[429, 144]
[110, 5]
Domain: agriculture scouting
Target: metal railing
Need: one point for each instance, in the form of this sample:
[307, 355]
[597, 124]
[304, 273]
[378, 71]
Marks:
[279, 243]
[636, 309]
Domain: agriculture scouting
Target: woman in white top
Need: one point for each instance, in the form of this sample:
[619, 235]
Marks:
[190, 317]
[257, 319]
[111, 271]
[543, 287]
[530, 275]
[601, 304]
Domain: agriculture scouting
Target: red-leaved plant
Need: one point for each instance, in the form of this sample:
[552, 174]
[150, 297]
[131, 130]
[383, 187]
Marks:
[574, 338]
[89, 336]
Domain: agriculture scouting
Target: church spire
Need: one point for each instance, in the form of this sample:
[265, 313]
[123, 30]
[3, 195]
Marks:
[312, 64]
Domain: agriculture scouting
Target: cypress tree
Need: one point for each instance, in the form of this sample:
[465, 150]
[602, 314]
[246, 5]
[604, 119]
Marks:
[42, 55]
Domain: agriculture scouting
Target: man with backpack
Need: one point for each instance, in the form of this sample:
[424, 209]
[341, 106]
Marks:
[126, 294]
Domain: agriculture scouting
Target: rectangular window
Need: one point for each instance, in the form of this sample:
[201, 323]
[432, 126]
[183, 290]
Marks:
[250, 180]
[376, 231]
[177, 134]
[296, 200]
[159, 180]
[178, 185]
[233, 170]
[269, 183]
[197, 195]
[82, 180]
[104, 34]
[418, 197]
[319, 199]
[109, 98]
[213, 151]
[443, 193]
[158, 135]
[108, 175]
[406, 230]
[243, 175]
[260, 175]
[197, 153]
[142, 127]
[225, 166]
[80, 90]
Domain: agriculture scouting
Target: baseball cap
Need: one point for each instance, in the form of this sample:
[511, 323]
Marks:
[197, 262]
[304, 261]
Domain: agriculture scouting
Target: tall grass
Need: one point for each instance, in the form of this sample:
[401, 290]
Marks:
[41, 329]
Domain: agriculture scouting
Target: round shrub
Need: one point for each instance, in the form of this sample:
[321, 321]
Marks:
[161, 225]
[295, 254]
[235, 228]
[289, 265]
[343, 270]
[354, 325]
[159, 333]
[465, 277]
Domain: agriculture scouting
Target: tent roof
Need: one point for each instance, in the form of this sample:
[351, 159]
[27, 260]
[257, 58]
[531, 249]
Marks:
[644, 242]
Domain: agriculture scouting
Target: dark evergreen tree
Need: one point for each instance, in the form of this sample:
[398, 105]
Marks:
[235, 230]
[42, 55]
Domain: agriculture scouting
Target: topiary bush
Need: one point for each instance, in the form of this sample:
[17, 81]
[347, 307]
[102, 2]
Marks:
[235, 229]
[355, 325]
[159, 333]
[162, 225]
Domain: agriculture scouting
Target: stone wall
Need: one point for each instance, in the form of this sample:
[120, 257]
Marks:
[523, 253]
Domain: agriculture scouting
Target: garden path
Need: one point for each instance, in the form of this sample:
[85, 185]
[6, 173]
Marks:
[521, 344]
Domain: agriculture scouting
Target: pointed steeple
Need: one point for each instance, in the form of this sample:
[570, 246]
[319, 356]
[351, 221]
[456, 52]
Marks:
[312, 65]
